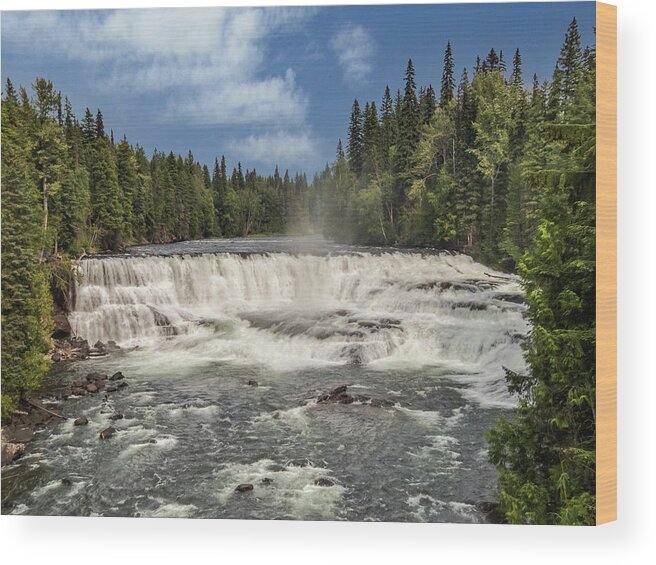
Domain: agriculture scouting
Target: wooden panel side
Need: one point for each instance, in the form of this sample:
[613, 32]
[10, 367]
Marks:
[606, 281]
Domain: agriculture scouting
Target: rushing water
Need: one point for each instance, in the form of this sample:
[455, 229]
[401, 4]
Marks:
[424, 335]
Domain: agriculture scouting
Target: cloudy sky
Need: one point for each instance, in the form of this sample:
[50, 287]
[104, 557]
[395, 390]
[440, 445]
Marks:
[263, 85]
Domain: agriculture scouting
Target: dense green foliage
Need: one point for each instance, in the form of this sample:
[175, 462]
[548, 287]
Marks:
[505, 173]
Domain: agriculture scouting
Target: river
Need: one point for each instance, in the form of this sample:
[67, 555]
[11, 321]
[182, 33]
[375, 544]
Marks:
[420, 337]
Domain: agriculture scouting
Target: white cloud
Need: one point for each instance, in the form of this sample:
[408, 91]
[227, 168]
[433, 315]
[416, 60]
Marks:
[280, 146]
[209, 64]
[354, 48]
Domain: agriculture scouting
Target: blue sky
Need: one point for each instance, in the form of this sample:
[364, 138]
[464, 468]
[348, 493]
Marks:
[264, 85]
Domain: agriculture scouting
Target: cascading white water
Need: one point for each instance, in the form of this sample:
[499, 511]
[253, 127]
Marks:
[393, 310]
[420, 339]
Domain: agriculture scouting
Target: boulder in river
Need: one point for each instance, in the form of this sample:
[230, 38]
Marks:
[10, 452]
[266, 481]
[92, 388]
[19, 434]
[244, 487]
[81, 421]
[252, 382]
[107, 433]
[324, 482]
[118, 376]
[339, 395]
[116, 417]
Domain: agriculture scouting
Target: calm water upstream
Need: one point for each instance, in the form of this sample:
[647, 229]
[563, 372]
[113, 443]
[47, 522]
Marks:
[424, 335]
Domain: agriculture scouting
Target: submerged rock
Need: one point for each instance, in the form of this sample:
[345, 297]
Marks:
[81, 421]
[324, 482]
[107, 433]
[266, 481]
[118, 376]
[244, 487]
[252, 382]
[116, 417]
[339, 395]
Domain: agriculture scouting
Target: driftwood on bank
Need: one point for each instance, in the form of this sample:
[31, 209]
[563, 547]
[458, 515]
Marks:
[41, 407]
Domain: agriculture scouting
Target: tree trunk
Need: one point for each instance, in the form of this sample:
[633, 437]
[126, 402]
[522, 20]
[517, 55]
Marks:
[45, 217]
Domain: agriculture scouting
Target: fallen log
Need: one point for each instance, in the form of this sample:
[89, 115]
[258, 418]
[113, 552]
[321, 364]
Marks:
[41, 407]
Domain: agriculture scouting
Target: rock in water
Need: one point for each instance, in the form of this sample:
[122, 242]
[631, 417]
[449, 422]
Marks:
[20, 434]
[324, 482]
[252, 383]
[118, 376]
[107, 433]
[339, 395]
[81, 421]
[11, 452]
[244, 487]
[116, 417]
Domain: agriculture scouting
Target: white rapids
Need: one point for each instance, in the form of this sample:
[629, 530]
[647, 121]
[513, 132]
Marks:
[389, 311]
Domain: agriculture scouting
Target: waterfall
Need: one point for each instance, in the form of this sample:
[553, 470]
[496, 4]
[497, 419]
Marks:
[382, 310]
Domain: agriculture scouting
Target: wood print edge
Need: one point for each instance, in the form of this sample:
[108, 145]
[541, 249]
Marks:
[606, 264]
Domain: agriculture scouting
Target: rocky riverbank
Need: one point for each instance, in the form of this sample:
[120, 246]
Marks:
[38, 411]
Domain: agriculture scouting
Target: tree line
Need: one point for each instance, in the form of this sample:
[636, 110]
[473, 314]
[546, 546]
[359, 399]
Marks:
[505, 172]
[69, 189]
[489, 166]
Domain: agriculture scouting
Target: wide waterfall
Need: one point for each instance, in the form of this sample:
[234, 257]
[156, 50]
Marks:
[232, 349]
[390, 309]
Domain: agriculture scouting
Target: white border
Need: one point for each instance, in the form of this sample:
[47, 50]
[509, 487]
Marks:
[25, 540]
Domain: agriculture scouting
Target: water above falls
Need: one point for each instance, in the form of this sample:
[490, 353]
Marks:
[425, 336]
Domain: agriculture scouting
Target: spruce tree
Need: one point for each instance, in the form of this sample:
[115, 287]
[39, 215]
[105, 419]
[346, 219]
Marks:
[516, 77]
[100, 125]
[26, 300]
[567, 74]
[355, 152]
[448, 81]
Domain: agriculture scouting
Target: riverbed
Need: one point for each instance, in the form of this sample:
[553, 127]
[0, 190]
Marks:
[228, 347]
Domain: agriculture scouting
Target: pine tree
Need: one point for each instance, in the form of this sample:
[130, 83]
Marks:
[89, 126]
[516, 77]
[339, 154]
[355, 141]
[371, 141]
[388, 127]
[407, 141]
[107, 212]
[126, 169]
[427, 105]
[100, 125]
[567, 74]
[491, 61]
[448, 81]
[26, 300]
